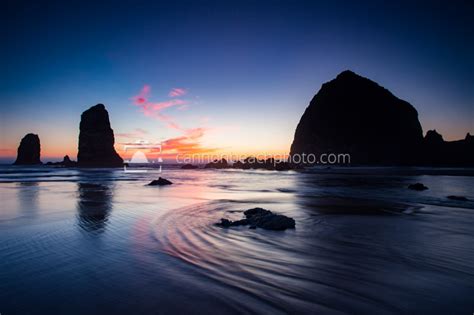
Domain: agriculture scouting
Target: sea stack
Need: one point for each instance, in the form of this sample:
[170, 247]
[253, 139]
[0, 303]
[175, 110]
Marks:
[438, 152]
[67, 162]
[96, 140]
[29, 150]
[354, 115]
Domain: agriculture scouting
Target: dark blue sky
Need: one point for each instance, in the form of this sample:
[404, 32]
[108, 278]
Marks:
[249, 68]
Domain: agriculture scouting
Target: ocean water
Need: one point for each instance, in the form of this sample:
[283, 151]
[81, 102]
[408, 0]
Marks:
[100, 241]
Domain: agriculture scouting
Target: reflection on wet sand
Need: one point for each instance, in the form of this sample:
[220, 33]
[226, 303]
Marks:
[94, 206]
[362, 244]
[28, 198]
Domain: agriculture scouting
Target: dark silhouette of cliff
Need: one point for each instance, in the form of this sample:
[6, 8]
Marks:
[96, 140]
[352, 114]
[29, 150]
[437, 152]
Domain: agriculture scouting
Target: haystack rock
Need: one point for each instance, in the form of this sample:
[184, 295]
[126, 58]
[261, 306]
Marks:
[29, 150]
[96, 140]
[352, 114]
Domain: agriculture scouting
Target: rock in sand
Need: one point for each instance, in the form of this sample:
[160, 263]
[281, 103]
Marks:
[160, 182]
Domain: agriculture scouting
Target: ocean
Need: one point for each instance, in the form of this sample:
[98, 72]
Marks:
[99, 241]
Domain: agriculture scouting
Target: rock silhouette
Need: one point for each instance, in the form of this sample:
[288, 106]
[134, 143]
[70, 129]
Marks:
[457, 198]
[438, 152]
[217, 164]
[67, 162]
[433, 138]
[261, 218]
[29, 150]
[417, 186]
[96, 140]
[160, 182]
[354, 115]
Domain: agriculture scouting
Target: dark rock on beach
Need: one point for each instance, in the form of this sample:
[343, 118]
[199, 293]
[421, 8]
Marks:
[417, 186]
[189, 167]
[354, 115]
[261, 218]
[160, 182]
[225, 223]
[457, 198]
[96, 140]
[29, 150]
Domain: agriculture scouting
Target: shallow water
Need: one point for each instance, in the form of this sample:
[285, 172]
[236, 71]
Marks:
[100, 241]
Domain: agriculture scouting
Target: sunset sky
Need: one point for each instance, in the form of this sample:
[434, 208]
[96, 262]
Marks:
[222, 76]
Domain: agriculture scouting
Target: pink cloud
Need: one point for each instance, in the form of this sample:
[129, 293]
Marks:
[154, 109]
[142, 97]
[177, 92]
[189, 140]
[189, 143]
[162, 105]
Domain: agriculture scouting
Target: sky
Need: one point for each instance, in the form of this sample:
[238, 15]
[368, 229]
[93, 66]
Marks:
[222, 76]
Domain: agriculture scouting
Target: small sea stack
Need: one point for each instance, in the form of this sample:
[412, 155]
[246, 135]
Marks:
[66, 162]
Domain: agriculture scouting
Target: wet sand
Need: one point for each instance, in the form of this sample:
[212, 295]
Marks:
[100, 241]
